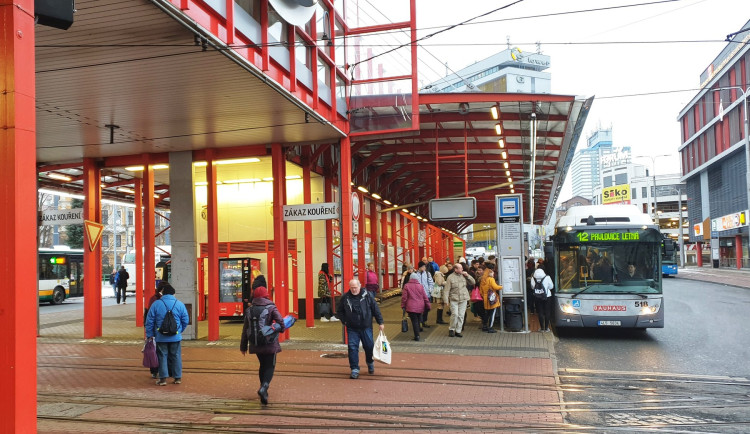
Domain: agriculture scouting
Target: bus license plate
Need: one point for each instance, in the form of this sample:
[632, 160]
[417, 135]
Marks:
[609, 323]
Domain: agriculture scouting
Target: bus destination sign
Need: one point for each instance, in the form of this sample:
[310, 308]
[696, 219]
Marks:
[586, 237]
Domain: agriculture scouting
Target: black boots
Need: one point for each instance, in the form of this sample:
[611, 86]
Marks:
[440, 317]
[263, 393]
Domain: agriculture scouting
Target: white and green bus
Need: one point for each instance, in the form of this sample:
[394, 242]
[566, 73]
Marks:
[60, 274]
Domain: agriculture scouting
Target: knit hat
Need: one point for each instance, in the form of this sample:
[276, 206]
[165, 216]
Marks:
[260, 292]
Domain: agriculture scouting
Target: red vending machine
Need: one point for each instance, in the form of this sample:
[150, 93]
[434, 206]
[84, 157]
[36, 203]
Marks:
[235, 279]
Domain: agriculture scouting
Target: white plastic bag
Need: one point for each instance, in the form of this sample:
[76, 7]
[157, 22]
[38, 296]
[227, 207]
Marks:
[382, 350]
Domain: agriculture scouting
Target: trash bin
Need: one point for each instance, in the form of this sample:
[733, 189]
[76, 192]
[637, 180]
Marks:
[513, 314]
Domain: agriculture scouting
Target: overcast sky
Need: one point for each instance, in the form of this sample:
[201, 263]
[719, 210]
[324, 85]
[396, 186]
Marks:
[645, 123]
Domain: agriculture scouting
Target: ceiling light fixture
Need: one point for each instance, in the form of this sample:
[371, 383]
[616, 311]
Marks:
[376, 196]
[387, 202]
[134, 168]
[501, 143]
[505, 165]
[495, 112]
[362, 189]
[126, 190]
[270, 178]
[505, 155]
[507, 173]
[160, 166]
[498, 128]
[510, 179]
[288, 177]
[59, 176]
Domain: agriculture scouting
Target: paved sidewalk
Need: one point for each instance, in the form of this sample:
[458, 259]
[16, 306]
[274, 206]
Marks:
[486, 382]
[726, 276]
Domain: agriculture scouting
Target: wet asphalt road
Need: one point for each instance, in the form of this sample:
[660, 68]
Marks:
[691, 376]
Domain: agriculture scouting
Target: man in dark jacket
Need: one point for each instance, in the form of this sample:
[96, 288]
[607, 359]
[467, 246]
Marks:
[266, 353]
[122, 284]
[356, 309]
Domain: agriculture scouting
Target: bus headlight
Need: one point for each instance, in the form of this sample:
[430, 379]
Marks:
[649, 310]
[566, 308]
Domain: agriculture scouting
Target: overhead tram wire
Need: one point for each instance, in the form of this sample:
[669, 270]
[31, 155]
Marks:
[440, 31]
[552, 14]
[442, 78]
[447, 44]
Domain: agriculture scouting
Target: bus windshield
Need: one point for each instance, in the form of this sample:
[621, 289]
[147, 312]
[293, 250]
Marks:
[609, 267]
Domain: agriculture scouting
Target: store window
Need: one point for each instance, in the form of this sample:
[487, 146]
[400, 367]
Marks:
[302, 52]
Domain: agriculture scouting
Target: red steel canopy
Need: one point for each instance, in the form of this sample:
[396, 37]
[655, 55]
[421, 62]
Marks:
[457, 140]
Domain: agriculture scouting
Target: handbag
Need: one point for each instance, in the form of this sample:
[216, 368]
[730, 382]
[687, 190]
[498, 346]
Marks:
[324, 309]
[149, 355]
[382, 349]
[492, 297]
[404, 323]
[476, 295]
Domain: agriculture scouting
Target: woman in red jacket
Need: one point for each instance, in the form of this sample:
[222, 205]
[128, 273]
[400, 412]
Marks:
[414, 300]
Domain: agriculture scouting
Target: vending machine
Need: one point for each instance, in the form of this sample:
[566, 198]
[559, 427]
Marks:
[235, 280]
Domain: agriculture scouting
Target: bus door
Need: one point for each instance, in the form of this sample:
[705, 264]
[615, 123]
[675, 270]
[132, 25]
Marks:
[76, 277]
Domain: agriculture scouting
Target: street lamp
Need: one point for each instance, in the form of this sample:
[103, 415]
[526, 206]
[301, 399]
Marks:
[653, 177]
[747, 139]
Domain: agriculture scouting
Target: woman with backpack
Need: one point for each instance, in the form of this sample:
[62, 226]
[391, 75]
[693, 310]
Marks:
[542, 286]
[265, 310]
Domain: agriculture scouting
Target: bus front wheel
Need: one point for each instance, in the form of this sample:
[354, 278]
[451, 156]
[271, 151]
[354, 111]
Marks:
[58, 296]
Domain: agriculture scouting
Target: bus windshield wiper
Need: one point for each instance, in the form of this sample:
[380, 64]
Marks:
[582, 291]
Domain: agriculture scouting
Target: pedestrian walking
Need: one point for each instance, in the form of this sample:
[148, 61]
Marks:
[151, 301]
[371, 279]
[455, 294]
[266, 352]
[415, 301]
[325, 292]
[356, 310]
[122, 284]
[543, 302]
[168, 345]
[490, 291]
[437, 292]
[113, 282]
[425, 279]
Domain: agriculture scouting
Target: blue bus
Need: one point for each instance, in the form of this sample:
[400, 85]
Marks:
[669, 252]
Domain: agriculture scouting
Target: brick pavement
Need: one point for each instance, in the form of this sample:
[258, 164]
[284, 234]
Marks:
[482, 381]
[486, 382]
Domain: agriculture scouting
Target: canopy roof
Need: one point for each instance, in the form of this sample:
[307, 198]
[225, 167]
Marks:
[458, 128]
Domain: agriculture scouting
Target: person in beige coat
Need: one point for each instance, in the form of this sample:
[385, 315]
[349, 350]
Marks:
[455, 293]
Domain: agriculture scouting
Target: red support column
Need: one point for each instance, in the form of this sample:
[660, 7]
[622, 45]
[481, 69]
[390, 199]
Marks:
[280, 243]
[309, 270]
[361, 251]
[18, 256]
[346, 213]
[384, 269]
[394, 240]
[138, 213]
[699, 253]
[149, 234]
[328, 194]
[738, 250]
[212, 219]
[92, 300]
